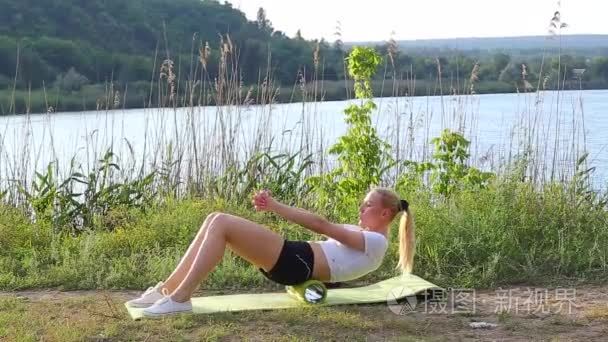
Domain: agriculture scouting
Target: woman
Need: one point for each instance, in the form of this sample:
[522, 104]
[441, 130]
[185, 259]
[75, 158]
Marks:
[349, 252]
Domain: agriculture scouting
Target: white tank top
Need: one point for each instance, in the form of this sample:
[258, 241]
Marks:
[347, 263]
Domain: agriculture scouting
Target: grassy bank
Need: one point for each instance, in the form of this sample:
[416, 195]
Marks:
[506, 233]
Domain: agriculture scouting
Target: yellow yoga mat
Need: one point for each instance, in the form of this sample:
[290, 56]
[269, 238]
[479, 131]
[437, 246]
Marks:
[392, 289]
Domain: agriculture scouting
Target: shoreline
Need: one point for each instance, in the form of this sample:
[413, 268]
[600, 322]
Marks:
[87, 105]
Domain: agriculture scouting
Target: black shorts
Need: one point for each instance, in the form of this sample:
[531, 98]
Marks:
[294, 265]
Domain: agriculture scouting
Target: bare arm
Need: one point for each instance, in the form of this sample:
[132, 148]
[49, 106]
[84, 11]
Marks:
[314, 222]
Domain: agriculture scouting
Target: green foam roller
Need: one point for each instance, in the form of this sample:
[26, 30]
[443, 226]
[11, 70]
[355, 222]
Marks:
[310, 292]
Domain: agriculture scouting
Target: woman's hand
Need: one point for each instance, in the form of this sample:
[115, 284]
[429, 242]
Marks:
[263, 201]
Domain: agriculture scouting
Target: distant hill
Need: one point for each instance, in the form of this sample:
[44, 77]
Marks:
[119, 39]
[569, 42]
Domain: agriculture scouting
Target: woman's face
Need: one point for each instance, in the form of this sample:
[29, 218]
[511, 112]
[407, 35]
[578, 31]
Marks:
[372, 214]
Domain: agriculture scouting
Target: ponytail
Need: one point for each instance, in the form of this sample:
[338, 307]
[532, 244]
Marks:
[407, 242]
[407, 239]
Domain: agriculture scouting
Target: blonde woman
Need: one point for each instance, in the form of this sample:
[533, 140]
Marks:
[349, 252]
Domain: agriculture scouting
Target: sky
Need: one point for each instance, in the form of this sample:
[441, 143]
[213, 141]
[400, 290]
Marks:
[377, 20]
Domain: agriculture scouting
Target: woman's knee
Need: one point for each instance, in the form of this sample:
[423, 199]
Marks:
[212, 216]
[219, 221]
[209, 220]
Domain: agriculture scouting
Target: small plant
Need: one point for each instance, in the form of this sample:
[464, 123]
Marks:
[283, 174]
[75, 203]
[41, 197]
[448, 170]
[285, 177]
[102, 192]
[361, 155]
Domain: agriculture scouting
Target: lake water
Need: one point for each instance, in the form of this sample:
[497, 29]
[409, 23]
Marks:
[558, 126]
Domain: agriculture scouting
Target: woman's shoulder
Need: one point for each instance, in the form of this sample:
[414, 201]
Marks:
[351, 226]
[363, 230]
[374, 235]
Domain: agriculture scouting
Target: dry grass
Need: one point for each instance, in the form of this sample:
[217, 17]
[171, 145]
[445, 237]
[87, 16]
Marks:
[95, 316]
[598, 312]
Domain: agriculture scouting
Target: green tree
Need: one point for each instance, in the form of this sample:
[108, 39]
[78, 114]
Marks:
[264, 24]
[71, 80]
[599, 68]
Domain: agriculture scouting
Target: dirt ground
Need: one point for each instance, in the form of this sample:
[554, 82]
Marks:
[511, 314]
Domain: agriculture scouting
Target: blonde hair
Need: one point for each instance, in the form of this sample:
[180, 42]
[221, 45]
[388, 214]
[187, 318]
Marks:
[407, 237]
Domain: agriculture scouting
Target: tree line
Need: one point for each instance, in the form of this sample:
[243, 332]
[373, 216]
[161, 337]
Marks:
[71, 44]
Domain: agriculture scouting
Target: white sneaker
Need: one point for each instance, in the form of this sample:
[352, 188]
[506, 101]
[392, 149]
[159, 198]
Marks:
[149, 297]
[167, 306]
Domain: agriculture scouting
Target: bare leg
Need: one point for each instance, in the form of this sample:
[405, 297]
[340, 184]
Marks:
[254, 243]
[185, 263]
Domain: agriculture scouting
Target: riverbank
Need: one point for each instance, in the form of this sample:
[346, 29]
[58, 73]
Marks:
[145, 95]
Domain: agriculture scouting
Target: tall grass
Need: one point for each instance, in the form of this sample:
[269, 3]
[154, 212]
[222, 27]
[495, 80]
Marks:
[507, 233]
